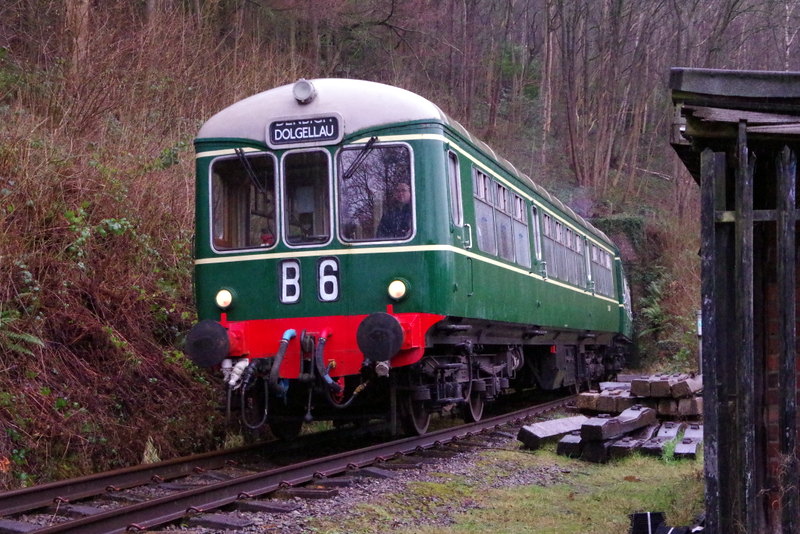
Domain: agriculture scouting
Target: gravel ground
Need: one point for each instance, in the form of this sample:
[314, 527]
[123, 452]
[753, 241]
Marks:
[366, 490]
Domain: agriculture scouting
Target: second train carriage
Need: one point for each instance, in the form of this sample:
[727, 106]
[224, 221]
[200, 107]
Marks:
[358, 253]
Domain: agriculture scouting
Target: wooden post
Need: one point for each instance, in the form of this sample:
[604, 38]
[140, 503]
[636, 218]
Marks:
[745, 353]
[787, 416]
[712, 171]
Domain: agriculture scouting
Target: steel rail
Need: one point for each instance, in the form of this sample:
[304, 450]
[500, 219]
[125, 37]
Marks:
[64, 491]
[145, 515]
[26, 499]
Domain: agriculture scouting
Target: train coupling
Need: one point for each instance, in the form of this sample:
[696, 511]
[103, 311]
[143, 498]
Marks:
[382, 369]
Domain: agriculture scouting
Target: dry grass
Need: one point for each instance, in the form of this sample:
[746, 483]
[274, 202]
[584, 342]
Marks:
[96, 214]
[96, 207]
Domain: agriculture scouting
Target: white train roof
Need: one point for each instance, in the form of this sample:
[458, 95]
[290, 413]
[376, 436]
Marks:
[360, 104]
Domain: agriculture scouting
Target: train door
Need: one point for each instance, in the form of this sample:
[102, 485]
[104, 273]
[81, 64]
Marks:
[461, 230]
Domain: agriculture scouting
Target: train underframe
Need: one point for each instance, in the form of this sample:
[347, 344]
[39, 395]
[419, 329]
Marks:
[466, 364]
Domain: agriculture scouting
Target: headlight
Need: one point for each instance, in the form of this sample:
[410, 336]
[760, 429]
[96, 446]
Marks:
[397, 289]
[304, 91]
[224, 298]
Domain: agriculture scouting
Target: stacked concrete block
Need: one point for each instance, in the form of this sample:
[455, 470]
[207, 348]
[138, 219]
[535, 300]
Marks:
[627, 419]
[672, 396]
[533, 436]
[598, 435]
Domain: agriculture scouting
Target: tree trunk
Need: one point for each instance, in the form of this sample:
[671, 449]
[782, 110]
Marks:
[77, 27]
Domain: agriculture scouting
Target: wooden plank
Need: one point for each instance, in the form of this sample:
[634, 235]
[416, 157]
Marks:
[787, 336]
[744, 327]
[734, 115]
[712, 173]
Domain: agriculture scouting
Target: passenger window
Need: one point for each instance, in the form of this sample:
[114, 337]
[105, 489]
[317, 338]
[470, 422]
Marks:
[522, 240]
[537, 234]
[375, 193]
[505, 238]
[484, 213]
[454, 179]
[243, 201]
[306, 189]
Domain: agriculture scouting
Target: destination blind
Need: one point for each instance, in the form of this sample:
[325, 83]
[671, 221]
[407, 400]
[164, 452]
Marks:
[293, 132]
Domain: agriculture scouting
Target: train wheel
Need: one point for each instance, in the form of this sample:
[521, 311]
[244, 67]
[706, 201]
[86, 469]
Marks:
[414, 417]
[473, 407]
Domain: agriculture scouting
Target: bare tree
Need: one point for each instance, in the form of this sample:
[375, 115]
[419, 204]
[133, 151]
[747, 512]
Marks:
[77, 27]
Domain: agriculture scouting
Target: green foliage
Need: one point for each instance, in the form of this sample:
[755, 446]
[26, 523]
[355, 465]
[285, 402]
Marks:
[85, 232]
[11, 340]
[654, 318]
[669, 340]
[10, 76]
[168, 157]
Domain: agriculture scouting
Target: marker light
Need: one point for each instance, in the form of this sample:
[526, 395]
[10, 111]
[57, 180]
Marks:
[304, 91]
[397, 289]
[224, 298]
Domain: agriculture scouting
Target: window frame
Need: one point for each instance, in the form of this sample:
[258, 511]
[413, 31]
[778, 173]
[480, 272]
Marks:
[338, 195]
[283, 200]
[247, 213]
[454, 182]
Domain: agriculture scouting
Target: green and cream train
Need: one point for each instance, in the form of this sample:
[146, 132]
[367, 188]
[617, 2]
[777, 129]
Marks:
[358, 254]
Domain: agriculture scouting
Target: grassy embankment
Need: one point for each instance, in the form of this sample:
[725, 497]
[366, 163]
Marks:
[96, 217]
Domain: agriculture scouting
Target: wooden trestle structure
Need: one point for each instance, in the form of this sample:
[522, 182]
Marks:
[738, 133]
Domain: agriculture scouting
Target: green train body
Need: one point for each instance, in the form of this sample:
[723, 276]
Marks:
[357, 250]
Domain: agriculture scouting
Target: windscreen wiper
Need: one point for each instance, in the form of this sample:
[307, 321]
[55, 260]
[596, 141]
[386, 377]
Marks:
[351, 170]
[248, 168]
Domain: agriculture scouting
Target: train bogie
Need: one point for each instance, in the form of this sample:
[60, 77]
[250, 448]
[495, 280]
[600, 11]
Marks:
[360, 254]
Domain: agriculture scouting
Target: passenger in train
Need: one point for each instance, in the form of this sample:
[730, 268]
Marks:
[396, 221]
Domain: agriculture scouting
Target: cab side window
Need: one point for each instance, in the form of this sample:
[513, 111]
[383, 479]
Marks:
[376, 198]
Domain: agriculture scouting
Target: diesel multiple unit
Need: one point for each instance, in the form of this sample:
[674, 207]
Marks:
[358, 254]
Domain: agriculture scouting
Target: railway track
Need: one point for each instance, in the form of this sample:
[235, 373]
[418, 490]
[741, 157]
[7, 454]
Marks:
[140, 516]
